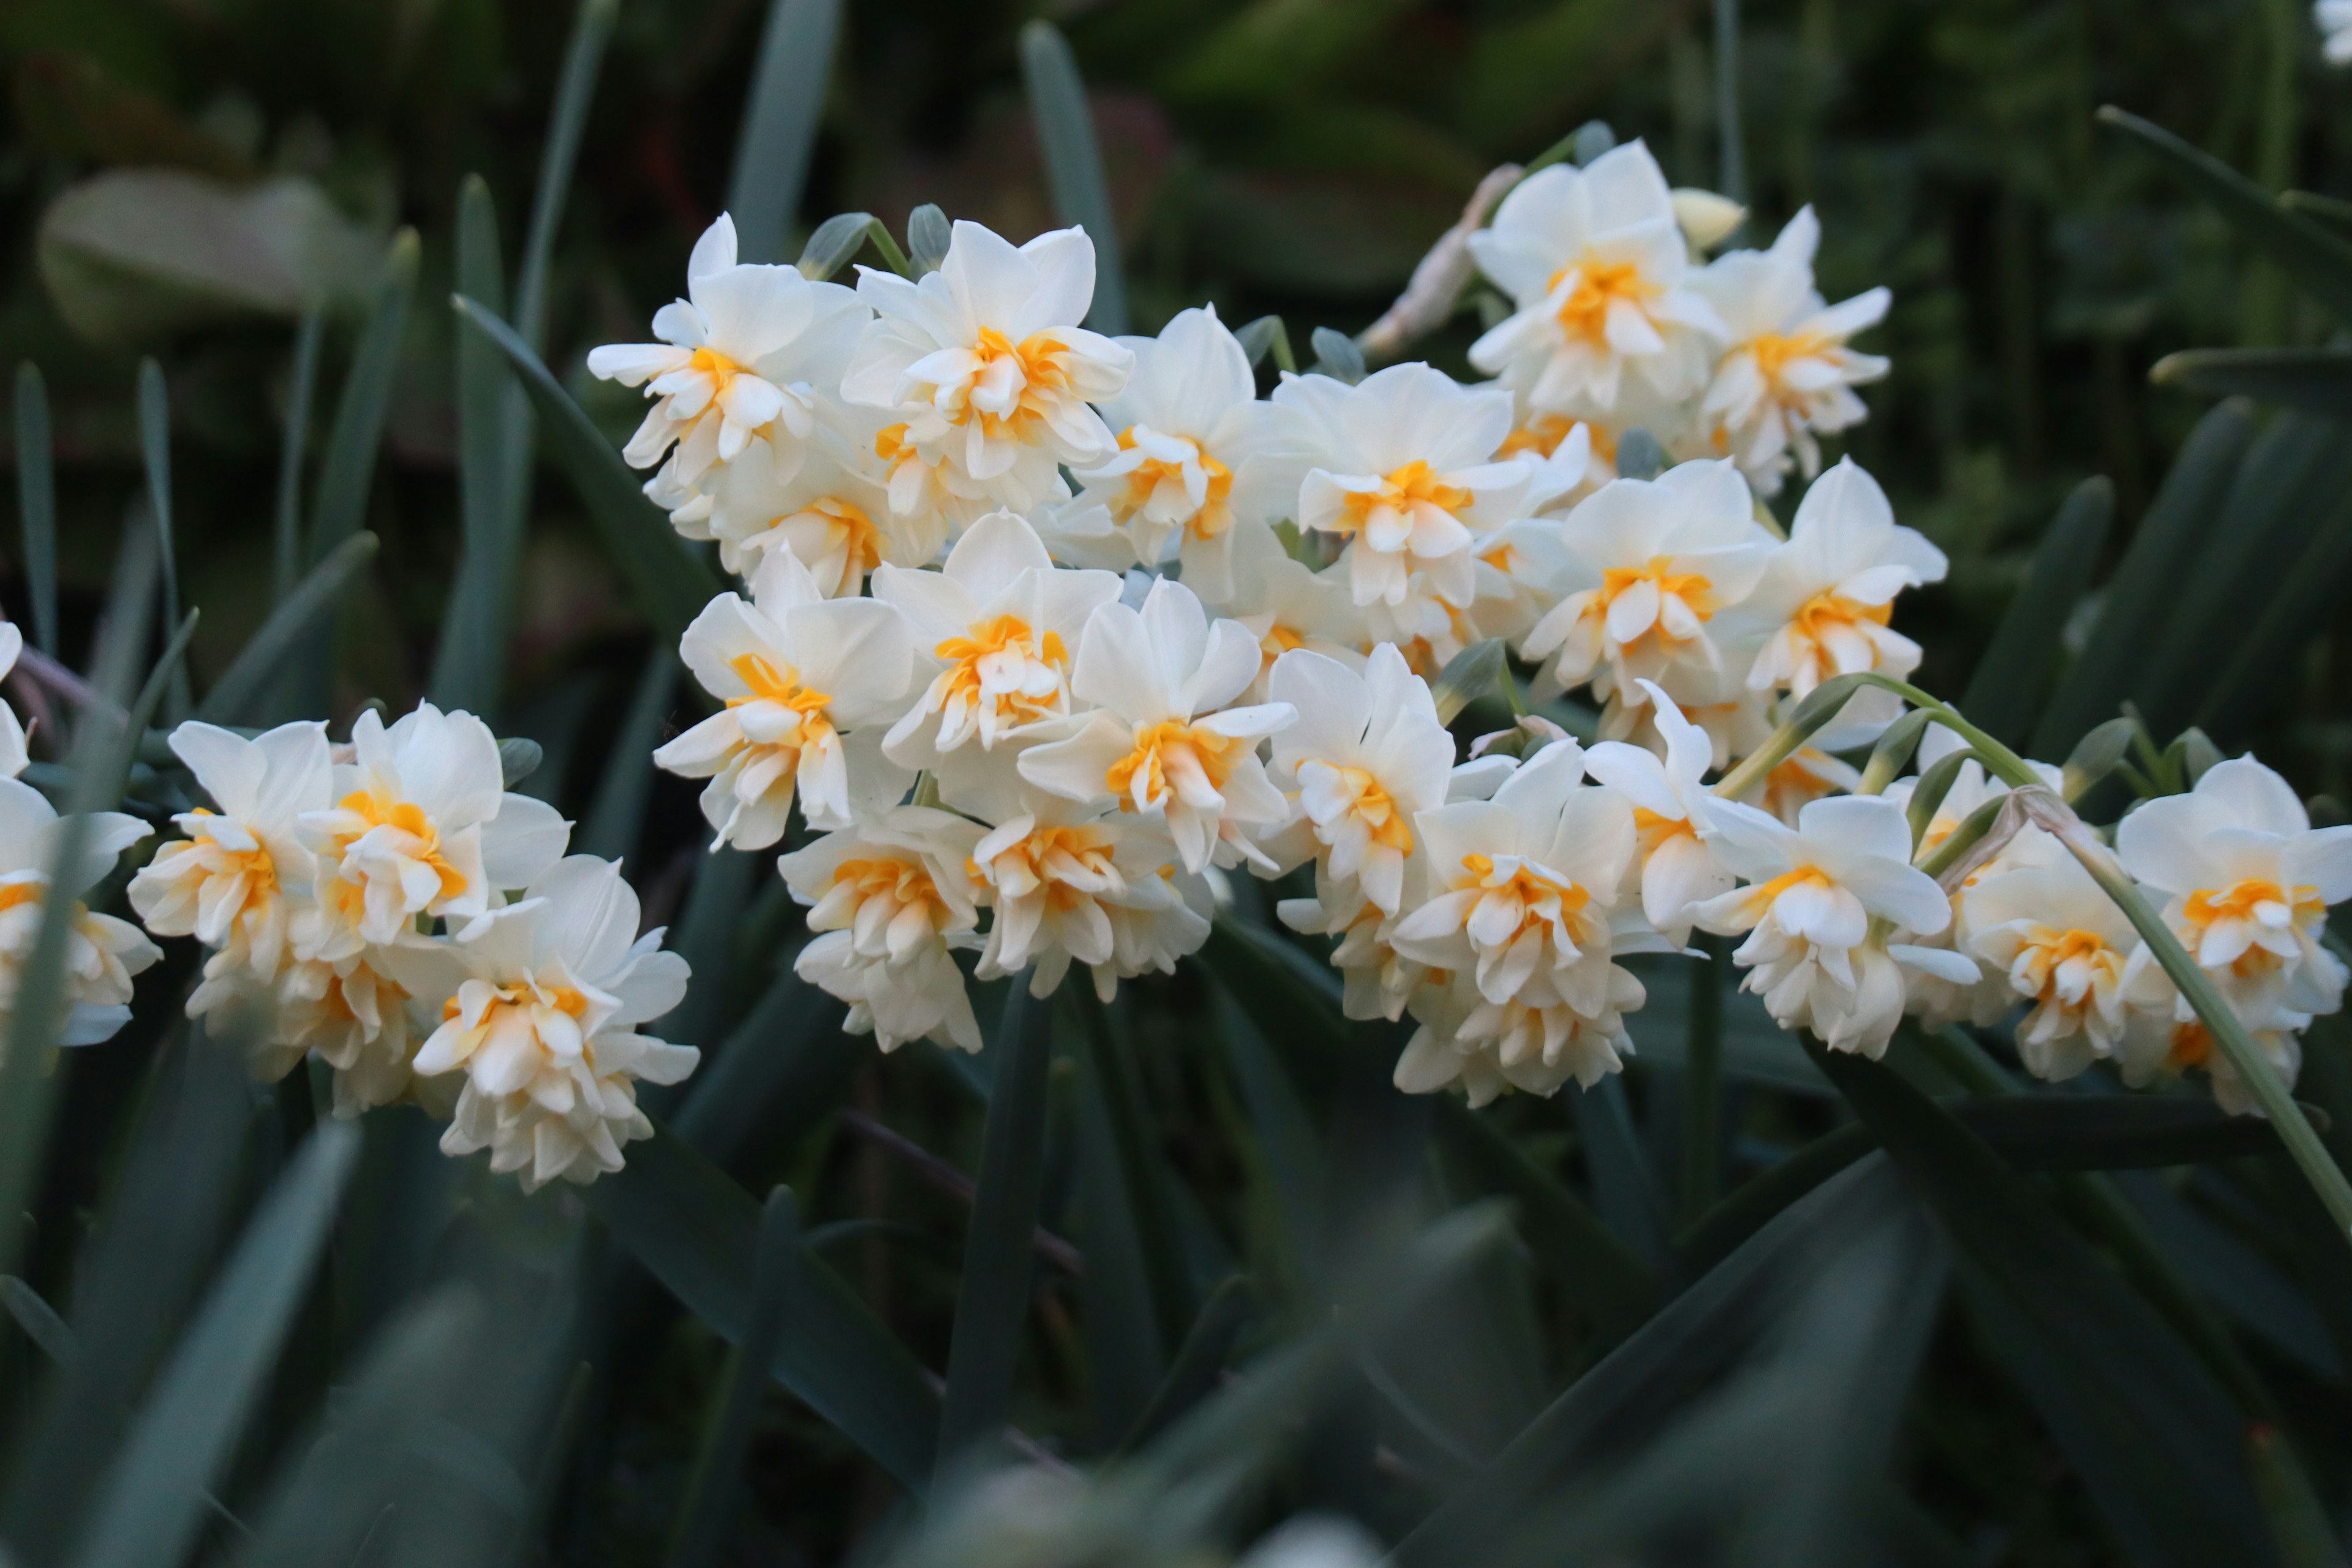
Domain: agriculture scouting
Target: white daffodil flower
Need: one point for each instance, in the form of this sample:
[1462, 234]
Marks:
[829, 511]
[1366, 756]
[2053, 938]
[1074, 882]
[420, 825]
[988, 370]
[891, 898]
[1787, 376]
[2248, 881]
[232, 881]
[542, 1002]
[1824, 603]
[358, 1019]
[2334, 18]
[1656, 561]
[1595, 264]
[1672, 820]
[1814, 891]
[751, 353]
[1376, 979]
[1002, 624]
[13, 757]
[1163, 740]
[1403, 467]
[1523, 895]
[796, 671]
[102, 953]
[1192, 438]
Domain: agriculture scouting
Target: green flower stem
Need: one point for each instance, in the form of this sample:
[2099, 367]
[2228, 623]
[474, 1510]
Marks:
[1961, 839]
[1703, 1079]
[888, 245]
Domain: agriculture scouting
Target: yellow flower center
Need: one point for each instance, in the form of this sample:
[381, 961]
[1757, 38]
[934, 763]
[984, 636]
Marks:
[1278, 640]
[1210, 519]
[1773, 353]
[781, 687]
[1826, 614]
[2240, 902]
[1600, 285]
[1541, 899]
[1692, 588]
[1039, 360]
[889, 441]
[1171, 742]
[903, 882]
[27, 892]
[409, 819]
[722, 370]
[1005, 634]
[1414, 485]
[1540, 435]
[2192, 1045]
[1043, 861]
[562, 998]
[1371, 805]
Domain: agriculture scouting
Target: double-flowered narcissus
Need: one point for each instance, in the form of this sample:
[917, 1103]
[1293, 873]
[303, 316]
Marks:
[1048, 641]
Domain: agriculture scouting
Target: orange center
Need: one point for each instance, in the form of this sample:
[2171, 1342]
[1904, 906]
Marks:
[1005, 634]
[1692, 588]
[1377, 810]
[2239, 900]
[847, 529]
[1598, 285]
[903, 882]
[1212, 518]
[781, 687]
[1215, 754]
[1773, 353]
[1541, 898]
[1760, 896]
[1415, 484]
[563, 998]
[408, 819]
[722, 370]
[1039, 360]
[1652, 830]
[1046, 855]
[15, 893]
[1826, 612]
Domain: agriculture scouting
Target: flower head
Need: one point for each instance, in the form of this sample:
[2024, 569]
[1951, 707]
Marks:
[795, 671]
[1815, 894]
[1163, 739]
[2051, 937]
[1403, 467]
[1194, 455]
[420, 824]
[828, 509]
[987, 367]
[1002, 625]
[1658, 561]
[1598, 271]
[233, 882]
[1366, 756]
[1824, 603]
[1787, 376]
[2248, 881]
[890, 896]
[541, 1001]
[102, 953]
[748, 354]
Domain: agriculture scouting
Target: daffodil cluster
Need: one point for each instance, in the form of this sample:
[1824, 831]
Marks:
[1047, 635]
[389, 906]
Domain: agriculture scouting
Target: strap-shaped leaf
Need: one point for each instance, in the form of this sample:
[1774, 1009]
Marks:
[1624, 1188]
[287, 558]
[1198, 1362]
[36, 502]
[2318, 381]
[2319, 261]
[2006, 690]
[2132, 1406]
[697, 1231]
[154, 1503]
[779, 1072]
[584, 62]
[778, 135]
[1074, 165]
[992, 1299]
[1127, 1354]
[2135, 611]
[469, 663]
[616, 817]
[243, 689]
[347, 473]
[155, 449]
[671, 586]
